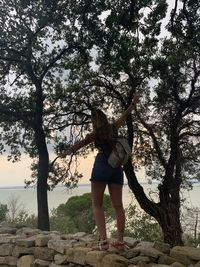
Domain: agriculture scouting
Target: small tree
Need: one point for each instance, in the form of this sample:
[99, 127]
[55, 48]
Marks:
[191, 225]
[141, 226]
[16, 207]
[3, 212]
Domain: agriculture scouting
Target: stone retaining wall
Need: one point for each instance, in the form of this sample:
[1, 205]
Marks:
[34, 248]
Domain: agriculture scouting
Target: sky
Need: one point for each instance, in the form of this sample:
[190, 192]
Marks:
[12, 174]
[16, 173]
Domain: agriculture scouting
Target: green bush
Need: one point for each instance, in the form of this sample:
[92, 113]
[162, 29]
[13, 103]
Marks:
[76, 214]
[25, 220]
[141, 226]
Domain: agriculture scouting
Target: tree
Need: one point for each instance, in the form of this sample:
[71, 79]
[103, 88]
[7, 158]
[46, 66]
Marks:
[170, 137]
[176, 109]
[164, 132]
[37, 38]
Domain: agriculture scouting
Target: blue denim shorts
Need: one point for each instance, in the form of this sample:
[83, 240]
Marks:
[103, 172]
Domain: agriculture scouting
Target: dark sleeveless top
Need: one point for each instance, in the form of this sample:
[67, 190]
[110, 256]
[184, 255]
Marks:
[104, 146]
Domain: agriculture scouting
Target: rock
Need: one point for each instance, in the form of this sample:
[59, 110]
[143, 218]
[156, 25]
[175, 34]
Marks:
[39, 263]
[8, 230]
[54, 236]
[25, 261]
[131, 242]
[25, 242]
[159, 265]
[137, 259]
[6, 249]
[42, 240]
[144, 244]
[178, 256]
[77, 255]
[10, 260]
[142, 264]
[27, 232]
[150, 252]
[113, 260]
[94, 258]
[87, 239]
[130, 253]
[19, 251]
[60, 259]
[177, 264]
[8, 238]
[191, 252]
[80, 244]
[44, 253]
[165, 259]
[163, 247]
[61, 245]
[57, 265]
[76, 236]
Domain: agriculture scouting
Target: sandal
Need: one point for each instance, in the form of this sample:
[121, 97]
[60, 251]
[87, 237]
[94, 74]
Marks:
[119, 245]
[102, 245]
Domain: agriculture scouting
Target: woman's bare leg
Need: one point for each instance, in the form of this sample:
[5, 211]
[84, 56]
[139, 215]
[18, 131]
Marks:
[97, 205]
[115, 191]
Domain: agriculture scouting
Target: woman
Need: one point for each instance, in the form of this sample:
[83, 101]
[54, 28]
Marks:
[103, 174]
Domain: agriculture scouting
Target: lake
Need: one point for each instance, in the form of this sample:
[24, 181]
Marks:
[27, 197]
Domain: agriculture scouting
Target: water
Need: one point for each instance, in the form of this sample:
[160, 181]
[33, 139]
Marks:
[27, 197]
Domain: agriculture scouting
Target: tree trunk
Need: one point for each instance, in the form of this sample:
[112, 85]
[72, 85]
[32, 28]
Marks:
[43, 169]
[166, 212]
[43, 161]
[196, 227]
[170, 224]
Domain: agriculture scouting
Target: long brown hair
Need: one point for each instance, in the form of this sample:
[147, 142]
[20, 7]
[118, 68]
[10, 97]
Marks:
[102, 128]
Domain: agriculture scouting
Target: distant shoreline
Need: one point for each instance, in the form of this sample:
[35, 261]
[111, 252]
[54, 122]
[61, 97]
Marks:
[33, 187]
[79, 185]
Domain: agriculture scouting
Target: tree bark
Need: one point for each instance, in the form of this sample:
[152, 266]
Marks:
[43, 169]
[170, 224]
[43, 162]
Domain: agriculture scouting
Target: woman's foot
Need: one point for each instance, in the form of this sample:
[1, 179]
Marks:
[101, 245]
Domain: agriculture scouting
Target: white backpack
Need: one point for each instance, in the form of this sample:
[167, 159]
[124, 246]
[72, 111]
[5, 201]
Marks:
[120, 153]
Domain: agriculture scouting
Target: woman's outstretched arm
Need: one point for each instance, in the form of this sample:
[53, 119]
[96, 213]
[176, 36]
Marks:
[79, 144]
[122, 119]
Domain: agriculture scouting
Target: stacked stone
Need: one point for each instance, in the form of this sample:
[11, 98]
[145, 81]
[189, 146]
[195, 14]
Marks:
[27, 247]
